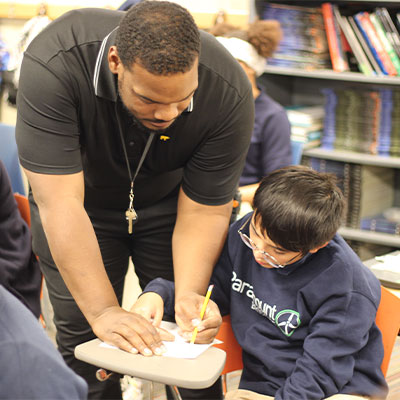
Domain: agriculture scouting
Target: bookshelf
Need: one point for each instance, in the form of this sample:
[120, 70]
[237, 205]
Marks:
[295, 86]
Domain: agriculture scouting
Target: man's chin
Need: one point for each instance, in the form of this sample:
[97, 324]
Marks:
[157, 126]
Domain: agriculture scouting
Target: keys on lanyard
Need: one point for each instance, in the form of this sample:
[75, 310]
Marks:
[130, 213]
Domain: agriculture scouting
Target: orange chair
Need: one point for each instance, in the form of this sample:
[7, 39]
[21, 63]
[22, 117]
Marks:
[232, 349]
[387, 320]
[24, 210]
[23, 207]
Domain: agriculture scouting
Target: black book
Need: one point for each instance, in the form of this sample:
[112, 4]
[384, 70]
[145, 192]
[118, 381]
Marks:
[391, 32]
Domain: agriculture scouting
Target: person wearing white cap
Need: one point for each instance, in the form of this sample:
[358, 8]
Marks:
[270, 146]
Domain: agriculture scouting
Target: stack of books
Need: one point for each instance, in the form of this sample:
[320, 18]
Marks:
[370, 36]
[365, 121]
[306, 124]
[368, 190]
[304, 43]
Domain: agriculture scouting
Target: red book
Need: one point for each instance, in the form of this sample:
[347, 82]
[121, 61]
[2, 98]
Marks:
[376, 43]
[339, 64]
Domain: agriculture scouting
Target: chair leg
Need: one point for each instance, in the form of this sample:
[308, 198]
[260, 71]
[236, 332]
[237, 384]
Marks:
[175, 393]
[224, 384]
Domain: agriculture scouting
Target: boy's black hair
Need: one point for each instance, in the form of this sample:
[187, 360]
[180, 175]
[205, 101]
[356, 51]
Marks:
[159, 35]
[299, 208]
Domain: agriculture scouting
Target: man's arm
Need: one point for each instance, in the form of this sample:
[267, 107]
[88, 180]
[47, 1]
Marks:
[76, 252]
[199, 235]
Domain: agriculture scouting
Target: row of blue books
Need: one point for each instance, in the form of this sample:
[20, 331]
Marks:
[387, 222]
[365, 121]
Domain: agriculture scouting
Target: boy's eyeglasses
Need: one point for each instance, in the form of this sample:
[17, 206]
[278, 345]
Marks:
[271, 260]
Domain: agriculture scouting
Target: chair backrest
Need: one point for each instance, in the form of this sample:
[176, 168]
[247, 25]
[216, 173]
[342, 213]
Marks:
[388, 321]
[9, 156]
[23, 207]
[230, 346]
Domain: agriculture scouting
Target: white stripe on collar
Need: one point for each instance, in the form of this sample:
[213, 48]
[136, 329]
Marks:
[190, 106]
[98, 61]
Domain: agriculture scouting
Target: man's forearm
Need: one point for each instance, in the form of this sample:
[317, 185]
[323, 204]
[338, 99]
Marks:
[76, 252]
[198, 239]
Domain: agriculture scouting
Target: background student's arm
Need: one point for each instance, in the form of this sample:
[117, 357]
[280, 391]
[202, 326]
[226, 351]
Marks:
[247, 192]
[76, 252]
[198, 238]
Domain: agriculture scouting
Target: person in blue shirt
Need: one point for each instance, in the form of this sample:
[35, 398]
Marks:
[302, 303]
[31, 367]
[270, 146]
[19, 269]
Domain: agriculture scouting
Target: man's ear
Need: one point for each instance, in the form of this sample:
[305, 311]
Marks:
[312, 251]
[114, 62]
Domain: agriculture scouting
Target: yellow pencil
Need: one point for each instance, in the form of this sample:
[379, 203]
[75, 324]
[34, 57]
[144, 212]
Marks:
[202, 312]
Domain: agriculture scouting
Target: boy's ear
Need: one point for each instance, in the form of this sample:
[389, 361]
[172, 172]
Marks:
[312, 251]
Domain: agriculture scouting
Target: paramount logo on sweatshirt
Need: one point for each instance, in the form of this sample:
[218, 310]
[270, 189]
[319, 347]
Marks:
[286, 320]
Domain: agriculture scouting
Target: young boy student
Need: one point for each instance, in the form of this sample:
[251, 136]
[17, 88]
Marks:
[302, 304]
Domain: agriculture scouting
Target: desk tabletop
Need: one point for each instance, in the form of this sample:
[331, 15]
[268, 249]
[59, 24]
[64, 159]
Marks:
[197, 373]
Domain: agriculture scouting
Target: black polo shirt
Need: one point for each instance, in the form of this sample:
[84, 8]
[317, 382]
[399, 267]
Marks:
[67, 105]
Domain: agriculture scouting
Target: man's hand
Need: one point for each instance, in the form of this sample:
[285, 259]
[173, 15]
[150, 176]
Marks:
[129, 331]
[187, 315]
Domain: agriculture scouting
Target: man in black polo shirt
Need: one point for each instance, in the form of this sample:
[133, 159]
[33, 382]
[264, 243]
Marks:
[117, 117]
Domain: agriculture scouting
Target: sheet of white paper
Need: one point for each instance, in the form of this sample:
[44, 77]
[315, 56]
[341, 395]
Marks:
[178, 348]
[388, 263]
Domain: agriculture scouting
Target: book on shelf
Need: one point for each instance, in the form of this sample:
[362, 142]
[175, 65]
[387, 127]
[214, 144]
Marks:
[385, 122]
[332, 29]
[363, 63]
[339, 168]
[305, 115]
[371, 192]
[391, 31]
[304, 42]
[309, 133]
[366, 27]
[387, 45]
[364, 45]
[363, 121]
[379, 223]
[368, 190]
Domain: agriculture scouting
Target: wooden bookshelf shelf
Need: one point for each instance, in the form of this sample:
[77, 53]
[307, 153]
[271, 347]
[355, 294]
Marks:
[385, 239]
[332, 75]
[352, 157]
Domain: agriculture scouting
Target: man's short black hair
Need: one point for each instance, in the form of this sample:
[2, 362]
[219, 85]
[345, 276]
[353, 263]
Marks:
[159, 35]
[299, 208]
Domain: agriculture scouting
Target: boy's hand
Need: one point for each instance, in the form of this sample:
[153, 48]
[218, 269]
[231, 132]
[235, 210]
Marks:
[150, 305]
[187, 316]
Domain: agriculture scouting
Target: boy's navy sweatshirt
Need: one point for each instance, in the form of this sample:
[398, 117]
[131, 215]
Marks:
[307, 330]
